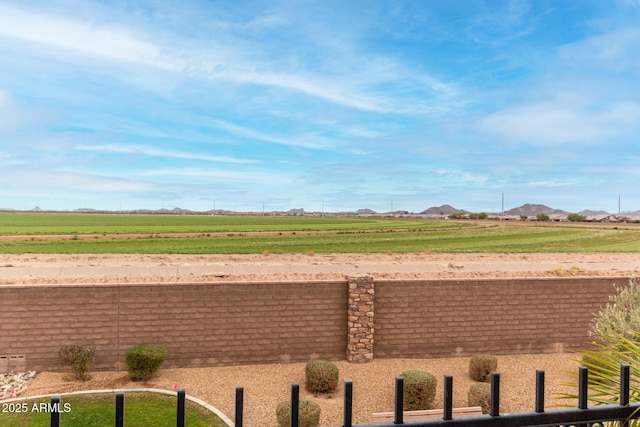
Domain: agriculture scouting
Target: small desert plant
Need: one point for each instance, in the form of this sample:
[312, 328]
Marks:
[321, 376]
[419, 390]
[308, 413]
[144, 360]
[78, 358]
[481, 366]
[480, 395]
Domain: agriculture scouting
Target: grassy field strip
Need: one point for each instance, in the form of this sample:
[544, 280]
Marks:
[520, 239]
[69, 224]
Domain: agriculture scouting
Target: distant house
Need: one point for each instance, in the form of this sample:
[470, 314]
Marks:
[434, 216]
[510, 217]
[602, 218]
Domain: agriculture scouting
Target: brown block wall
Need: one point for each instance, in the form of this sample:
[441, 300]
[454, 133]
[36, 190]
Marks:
[241, 323]
[439, 318]
[199, 324]
[38, 320]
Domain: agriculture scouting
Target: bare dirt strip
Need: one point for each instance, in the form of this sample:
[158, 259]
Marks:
[85, 268]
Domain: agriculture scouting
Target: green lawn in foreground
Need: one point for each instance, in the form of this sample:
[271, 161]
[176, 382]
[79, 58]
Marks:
[98, 410]
[451, 239]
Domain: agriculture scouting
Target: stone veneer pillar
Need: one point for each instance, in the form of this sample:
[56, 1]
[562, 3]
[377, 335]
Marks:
[360, 319]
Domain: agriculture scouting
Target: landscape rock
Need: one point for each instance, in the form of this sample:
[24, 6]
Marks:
[13, 383]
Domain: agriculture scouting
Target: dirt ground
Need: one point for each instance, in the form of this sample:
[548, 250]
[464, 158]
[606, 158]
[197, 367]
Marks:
[88, 268]
[266, 385]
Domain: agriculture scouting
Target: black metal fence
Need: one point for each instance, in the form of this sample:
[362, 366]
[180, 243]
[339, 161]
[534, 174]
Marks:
[580, 416]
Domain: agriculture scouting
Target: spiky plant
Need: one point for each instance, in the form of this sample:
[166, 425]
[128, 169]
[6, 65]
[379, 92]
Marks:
[604, 373]
[617, 331]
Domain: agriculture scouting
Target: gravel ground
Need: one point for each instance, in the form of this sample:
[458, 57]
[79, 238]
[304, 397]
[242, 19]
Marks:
[266, 385]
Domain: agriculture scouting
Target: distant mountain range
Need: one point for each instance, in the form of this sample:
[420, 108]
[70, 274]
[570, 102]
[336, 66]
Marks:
[442, 210]
[533, 210]
[528, 209]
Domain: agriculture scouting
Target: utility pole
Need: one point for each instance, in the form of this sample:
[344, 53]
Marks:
[503, 204]
[618, 205]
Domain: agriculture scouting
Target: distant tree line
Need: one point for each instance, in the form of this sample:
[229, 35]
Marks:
[463, 215]
[572, 217]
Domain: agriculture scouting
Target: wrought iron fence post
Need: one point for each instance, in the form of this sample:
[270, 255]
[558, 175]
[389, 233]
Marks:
[583, 387]
[625, 375]
[399, 406]
[55, 410]
[583, 391]
[120, 409]
[348, 404]
[448, 398]
[239, 406]
[295, 403]
[539, 391]
[495, 395]
[181, 407]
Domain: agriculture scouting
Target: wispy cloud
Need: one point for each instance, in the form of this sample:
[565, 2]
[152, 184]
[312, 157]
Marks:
[97, 40]
[4, 99]
[295, 141]
[504, 21]
[611, 50]
[121, 44]
[255, 177]
[15, 115]
[549, 123]
[154, 152]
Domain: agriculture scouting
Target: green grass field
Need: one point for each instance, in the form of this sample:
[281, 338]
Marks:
[62, 223]
[98, 410]
[158, 234]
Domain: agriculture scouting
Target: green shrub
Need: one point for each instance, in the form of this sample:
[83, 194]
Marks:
[321, 376]
[419, 390]
[620, 317]
[542, 217]
[144, 360]
[576, 217]
[78, 358]
[481, 366]
[308, 413]
[480, 395]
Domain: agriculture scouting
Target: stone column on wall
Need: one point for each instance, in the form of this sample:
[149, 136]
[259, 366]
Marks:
[360, 319]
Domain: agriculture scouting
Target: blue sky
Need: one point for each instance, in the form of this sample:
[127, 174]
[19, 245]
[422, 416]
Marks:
[326, 104]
